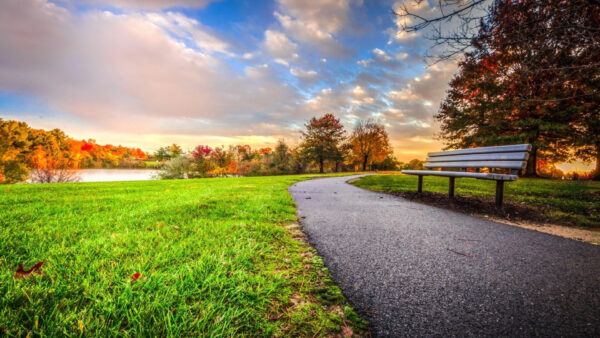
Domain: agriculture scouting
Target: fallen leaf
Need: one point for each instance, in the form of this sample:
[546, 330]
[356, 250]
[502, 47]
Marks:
[347, 331]
[21, 273]
[80, 326]
[135, 276]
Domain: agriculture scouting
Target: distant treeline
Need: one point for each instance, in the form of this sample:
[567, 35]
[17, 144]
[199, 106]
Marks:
[325, 147]
[25, 151]
[50, 156]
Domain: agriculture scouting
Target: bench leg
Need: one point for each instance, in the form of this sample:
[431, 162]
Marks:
[420, 185]
[451, 187]
[499, 193]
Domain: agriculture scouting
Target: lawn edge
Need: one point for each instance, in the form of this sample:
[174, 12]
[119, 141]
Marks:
[569, 232]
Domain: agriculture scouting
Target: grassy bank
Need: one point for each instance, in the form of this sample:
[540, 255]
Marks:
[214, 256]
[562, 202]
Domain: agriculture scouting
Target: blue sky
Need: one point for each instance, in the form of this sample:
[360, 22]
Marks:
[154, 72]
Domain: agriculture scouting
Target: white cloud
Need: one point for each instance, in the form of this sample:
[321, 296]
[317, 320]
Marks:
[145, 4]
[420, 8]
[317, 22]
[190, 30]
[302, 31]
[167, 75]
[298, 72]
[319, 15]
[127, 73]
[280, 47]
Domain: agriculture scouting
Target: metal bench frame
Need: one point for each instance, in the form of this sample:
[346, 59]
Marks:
[513, 157]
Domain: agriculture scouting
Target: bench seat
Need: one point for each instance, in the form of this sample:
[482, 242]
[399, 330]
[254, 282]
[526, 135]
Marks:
[481, 176]
[512, 157]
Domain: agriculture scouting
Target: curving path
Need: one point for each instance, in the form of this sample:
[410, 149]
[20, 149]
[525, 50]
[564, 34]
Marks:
[392, 259]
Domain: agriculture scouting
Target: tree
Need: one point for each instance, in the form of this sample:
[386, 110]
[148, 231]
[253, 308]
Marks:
[453, 24]
[162, 154]
[299, 163]
[414, 164]
[177, 168]
[51, 160]
[388, 163]
[14, 148]
[588, 140]
[174, 150]
[530, 76]
[322, 139]
[221, 157]
[369, 143]
[282, 157]
[202, 160]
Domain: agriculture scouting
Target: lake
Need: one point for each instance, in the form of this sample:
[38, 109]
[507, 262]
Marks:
[108, 175]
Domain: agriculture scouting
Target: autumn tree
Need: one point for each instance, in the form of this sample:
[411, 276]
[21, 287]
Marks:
[369, 143]
[202, 161]
[322, 140]
[174, 150]
[15, 144]
[221, 157]
[281, 156]
[51, 160]
[299, 163]
[530, 76]
[414, 164]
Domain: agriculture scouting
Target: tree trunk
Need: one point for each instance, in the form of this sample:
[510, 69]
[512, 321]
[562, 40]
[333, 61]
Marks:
[531, 170]
[596, 174]
[321, 166]
[365, 162]
[337, 166]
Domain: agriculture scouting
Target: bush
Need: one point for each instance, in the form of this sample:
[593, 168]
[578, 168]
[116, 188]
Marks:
[176, 168]
[12, 172]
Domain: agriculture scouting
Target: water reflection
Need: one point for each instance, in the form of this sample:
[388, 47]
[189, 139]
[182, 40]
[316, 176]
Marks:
[108, 175]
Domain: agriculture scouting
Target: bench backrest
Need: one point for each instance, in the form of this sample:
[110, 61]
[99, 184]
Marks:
[503, 157]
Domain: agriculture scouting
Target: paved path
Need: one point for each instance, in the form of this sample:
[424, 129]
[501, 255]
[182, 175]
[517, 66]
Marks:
[391, 258]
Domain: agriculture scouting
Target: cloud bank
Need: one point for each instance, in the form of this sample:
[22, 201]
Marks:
[150, 73]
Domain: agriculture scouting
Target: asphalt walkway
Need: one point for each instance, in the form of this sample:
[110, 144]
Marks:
[416, 270]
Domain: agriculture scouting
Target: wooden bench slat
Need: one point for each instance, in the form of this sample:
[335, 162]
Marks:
[482, 176]
[520, 156]
[479, 164]
[501, 157]
[484, 150]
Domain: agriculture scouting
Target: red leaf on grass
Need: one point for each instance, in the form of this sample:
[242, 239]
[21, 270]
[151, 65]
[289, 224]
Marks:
[135, 276]
[347, 331]
[21, 273]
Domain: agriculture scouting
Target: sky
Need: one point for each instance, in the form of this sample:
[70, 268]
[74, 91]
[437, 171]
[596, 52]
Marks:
[155, 72]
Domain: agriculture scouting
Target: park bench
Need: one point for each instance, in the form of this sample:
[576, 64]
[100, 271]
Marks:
[511, 159]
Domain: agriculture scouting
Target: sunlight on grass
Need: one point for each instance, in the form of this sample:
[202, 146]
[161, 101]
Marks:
[214, 256]
[574, 203]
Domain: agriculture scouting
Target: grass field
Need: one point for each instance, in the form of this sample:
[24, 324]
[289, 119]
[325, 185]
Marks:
[563, 202]
[214, 256]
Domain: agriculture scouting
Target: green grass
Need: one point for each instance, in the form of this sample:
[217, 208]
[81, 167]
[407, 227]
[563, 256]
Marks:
[217, 257]
[564, 202]
[152, 164]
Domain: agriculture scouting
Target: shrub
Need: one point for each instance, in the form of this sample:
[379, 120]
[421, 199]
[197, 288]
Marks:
[176, 168]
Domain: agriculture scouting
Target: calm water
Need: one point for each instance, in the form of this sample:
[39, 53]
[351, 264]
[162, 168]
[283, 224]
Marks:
[107, 175]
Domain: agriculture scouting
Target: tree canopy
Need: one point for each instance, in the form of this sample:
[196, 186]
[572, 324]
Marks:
[369, 143]
[322, 140]
[532, 75]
